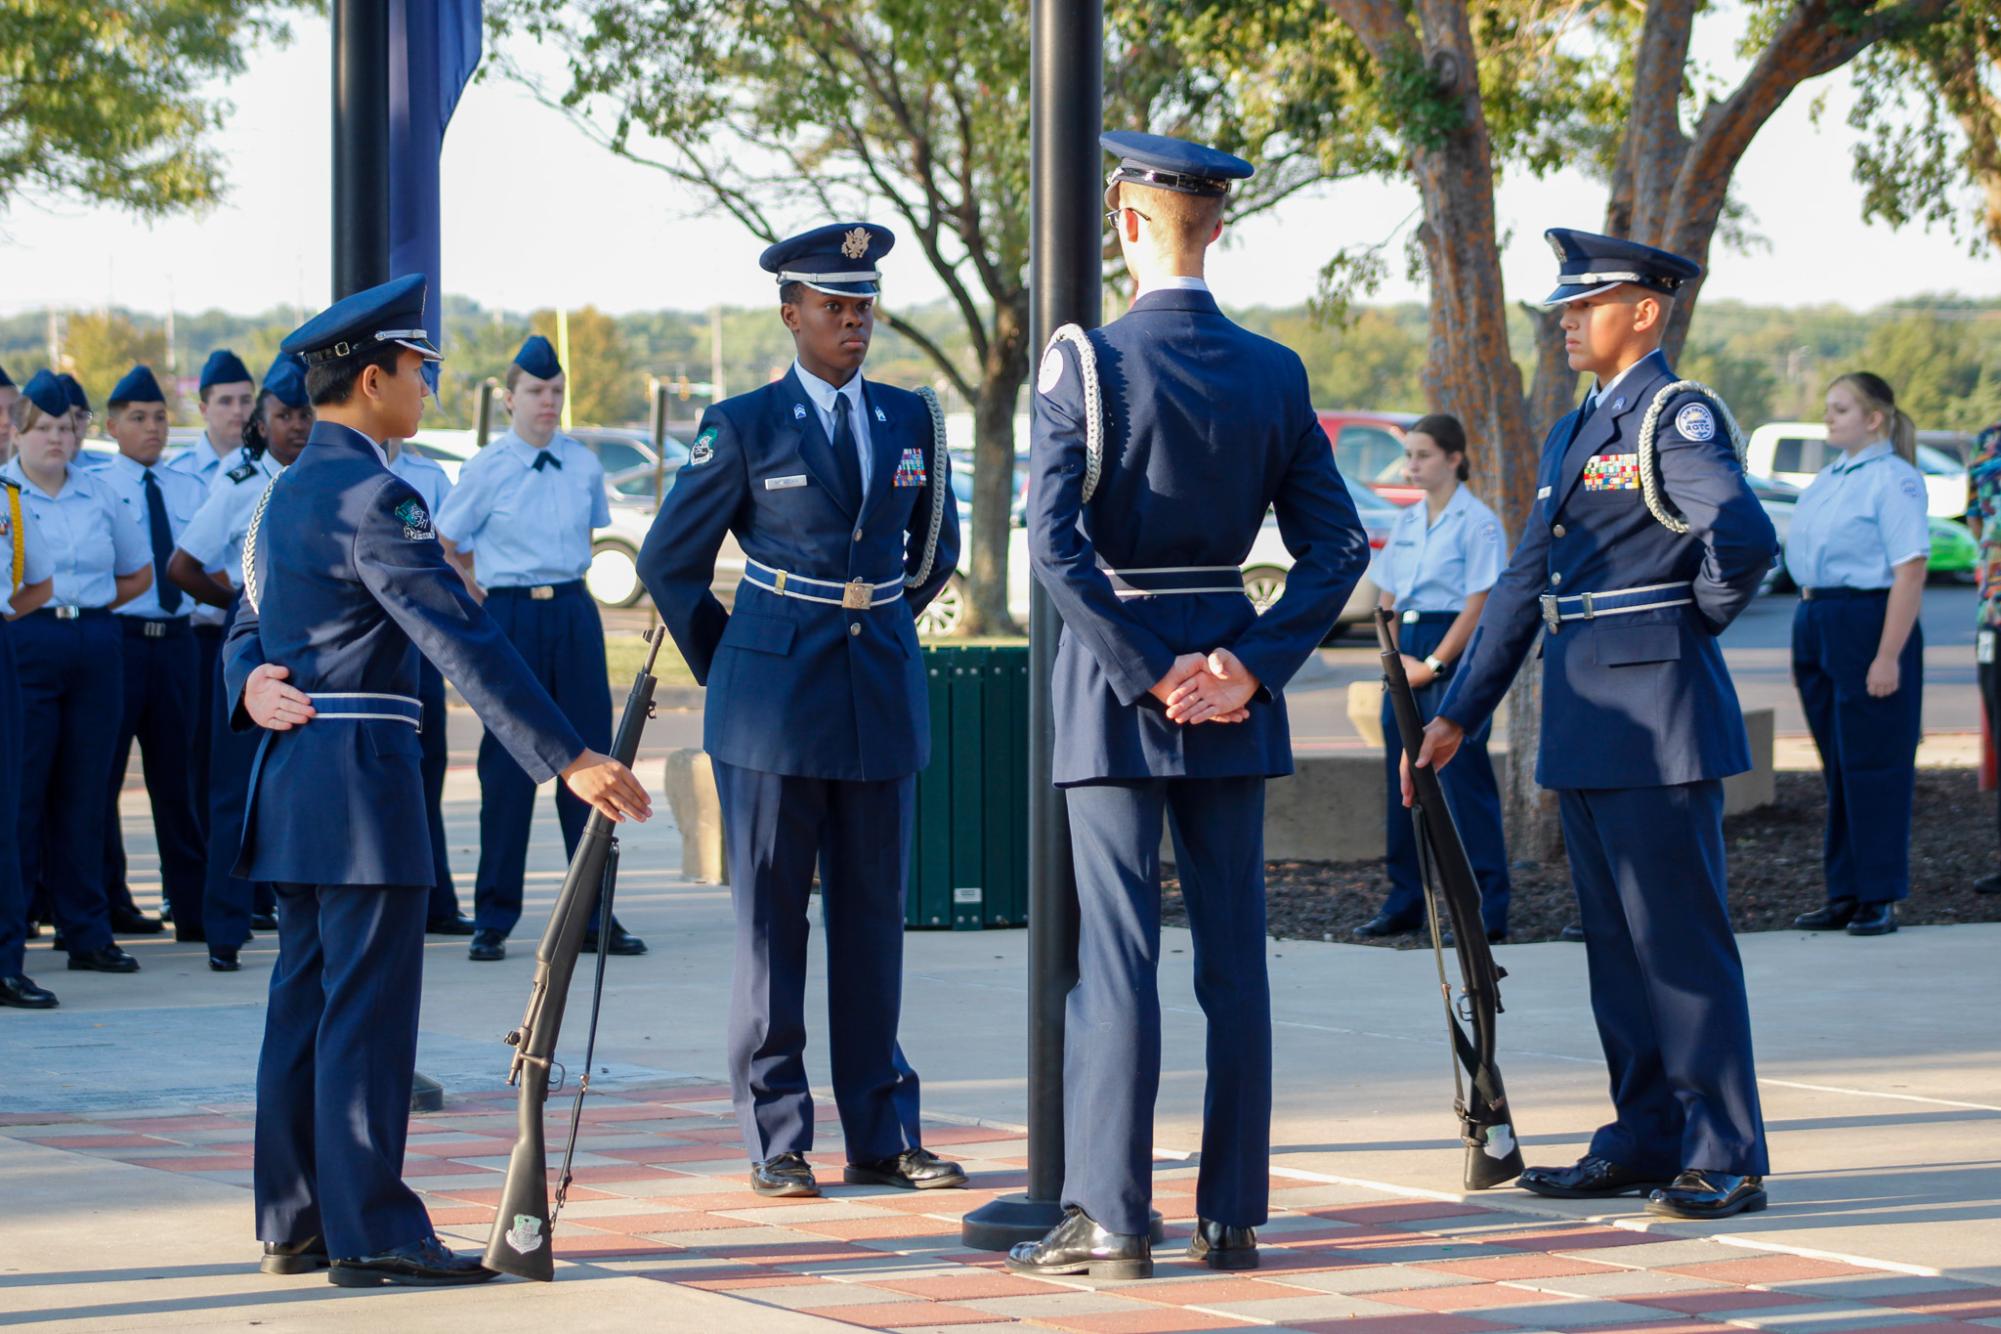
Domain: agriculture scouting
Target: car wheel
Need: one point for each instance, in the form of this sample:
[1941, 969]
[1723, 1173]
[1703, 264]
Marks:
[1264, 585]
[947, 611]
[614, 574]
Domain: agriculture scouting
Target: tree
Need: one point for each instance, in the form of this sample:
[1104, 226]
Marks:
[99, 348]
[605, 388]
[110, 103]
[780, 112]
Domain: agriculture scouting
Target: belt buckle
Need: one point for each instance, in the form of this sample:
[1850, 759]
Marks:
[1590, 611]
[1410, 618]
[1551, 617]
[68, 613]
[1806, 595]
[155, 630]
[541, 593]
[856, 595]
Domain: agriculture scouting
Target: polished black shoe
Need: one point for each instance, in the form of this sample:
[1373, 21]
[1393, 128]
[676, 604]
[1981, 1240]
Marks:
[264, 921]
[222, 959]
[1873, 919]
[1708, 1195]
[1079, 1246]
[22, 993]
[294, 1257]
[1572, 932]
[1589, 1178]
[1382, 924]
[110, 959]
[460, 925]
[622, 942]
[135, 924]
[784, 1174]
[1221, 1246]
[421, 1264]
[1988, 884]
[913, 1169]
[1831, 916]
[487, 947]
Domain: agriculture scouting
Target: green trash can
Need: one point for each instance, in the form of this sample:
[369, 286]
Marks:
[969, 863]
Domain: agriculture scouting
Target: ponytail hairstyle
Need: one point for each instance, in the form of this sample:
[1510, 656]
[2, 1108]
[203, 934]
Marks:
[1877, 396]
[255, 442]
[1450, 435]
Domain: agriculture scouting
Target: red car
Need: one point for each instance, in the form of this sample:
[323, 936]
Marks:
[1369, 448]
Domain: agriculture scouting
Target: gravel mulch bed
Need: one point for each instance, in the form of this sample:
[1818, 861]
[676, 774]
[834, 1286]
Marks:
[1774, 871]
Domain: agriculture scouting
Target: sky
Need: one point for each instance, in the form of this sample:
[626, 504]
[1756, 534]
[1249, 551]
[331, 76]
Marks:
[536, 215]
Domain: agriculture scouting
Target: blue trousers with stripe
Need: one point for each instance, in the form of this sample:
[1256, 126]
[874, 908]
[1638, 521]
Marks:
[162, 678]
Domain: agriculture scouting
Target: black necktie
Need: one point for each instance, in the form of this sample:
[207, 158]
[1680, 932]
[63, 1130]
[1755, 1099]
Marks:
[162, 534]
[846, 455]
[544, 459]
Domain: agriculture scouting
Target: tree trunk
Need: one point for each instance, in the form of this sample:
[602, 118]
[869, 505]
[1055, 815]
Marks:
[1002, 373]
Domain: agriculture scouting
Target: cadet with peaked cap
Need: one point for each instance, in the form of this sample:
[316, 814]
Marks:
[208, 566]
[1645, 542]
[162, 670]
[817, 717]
[345, 586]
[26, 581]
[520, 520]
[1160, 443]
[70, 656]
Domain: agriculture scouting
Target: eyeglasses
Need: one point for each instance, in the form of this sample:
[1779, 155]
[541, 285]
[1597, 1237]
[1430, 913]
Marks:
[1112, 215]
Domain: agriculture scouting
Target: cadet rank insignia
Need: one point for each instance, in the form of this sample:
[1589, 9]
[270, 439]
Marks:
[242, 472]
[416, 522]
[910, 468]
[704, 450]
[1612, 472]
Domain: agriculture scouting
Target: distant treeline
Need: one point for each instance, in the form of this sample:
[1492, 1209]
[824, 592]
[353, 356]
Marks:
[1943, 355]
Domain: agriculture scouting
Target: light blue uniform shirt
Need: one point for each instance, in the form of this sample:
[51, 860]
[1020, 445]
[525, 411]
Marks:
[526, 527]
[1429, 566]
[1863, 515]
[823, 395]
[183, 496]
[201, 461]
[425, 475]
[215, 535]
[91, 538]
[35, 565]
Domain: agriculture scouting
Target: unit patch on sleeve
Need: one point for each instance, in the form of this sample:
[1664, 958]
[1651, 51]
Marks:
[1696, 422]
[705, 448]
[416, 521]
[1051, 373]
[1612, 472]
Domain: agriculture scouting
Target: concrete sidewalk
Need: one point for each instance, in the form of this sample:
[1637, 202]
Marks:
[124, 1146]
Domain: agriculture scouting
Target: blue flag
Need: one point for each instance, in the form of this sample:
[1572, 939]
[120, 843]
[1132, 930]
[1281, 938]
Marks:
[434, 47]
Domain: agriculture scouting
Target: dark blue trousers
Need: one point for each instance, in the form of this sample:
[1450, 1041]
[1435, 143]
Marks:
[334, 1075]
[72, 684]
[227, 901]
[1111, 1052]
[208, 666]
[562, 640]
[775, 828]
[13, 900]
[431, 693]
[161, 682]
[1667, 987]
[1868, 747]
[1471, 794]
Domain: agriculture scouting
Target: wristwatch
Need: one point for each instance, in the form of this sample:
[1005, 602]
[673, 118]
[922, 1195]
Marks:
[1437, 667]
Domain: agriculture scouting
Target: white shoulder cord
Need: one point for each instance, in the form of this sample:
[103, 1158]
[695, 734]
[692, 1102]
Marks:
[1094, 408]
[939, 487]
[1650, 483]
[250, 541]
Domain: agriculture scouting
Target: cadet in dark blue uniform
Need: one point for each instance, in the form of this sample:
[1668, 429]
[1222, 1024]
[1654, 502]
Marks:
[817, 715]
[1644, 544]
[1160, 443]
[1858, 547]
[162, 670]
[26, 582]
[344, 586]
[1444, 553]
[523, 512]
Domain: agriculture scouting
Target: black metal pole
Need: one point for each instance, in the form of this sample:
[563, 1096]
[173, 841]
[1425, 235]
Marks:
[360, 145]
[1066, 101]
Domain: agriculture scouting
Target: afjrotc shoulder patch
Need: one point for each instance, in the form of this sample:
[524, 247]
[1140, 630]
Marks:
[415, 519]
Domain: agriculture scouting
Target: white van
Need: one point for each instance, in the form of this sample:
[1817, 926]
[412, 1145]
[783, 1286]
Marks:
[1795, 452]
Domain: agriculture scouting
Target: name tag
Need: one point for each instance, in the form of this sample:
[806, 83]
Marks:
[1542, 492]
[784, 483]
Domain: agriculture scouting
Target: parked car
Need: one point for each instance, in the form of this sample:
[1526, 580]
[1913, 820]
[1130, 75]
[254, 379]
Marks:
[613, 578]
[1369, 448]
[1795, 452]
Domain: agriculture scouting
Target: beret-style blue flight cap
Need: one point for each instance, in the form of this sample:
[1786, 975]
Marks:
[1167, 163]
[73, 390]
[46, 392]
[362, 323]
[538, 357]
[138, 386]
[839, 259]
[286, 382]
[1588, 263]
[223, 367]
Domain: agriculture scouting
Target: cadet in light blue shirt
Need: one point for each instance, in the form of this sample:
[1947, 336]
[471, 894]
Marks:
[70, 661]
[1858, 547]
[520, 520]
[1443, 554]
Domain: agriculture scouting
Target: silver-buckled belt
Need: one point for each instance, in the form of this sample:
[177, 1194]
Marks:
[1170, 580]
[366, 706]
[850, 595]
[1560, 609]
[536, 592]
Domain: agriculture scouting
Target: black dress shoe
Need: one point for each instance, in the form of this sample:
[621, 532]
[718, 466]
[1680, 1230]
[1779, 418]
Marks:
[1079, 1246]
[222, 959]
[1382, 924]
[1830, 916]
[1874, 919]
[1572, 932]
[1221, 1246]
[1708, 1195]
[1589, 1178]
[784, 1174]
[22, 993]
[913, 1169]
[459, 925]
[1988, 884]
[110, 959]
[487, 946]
[294, 1257]
[421, 1264]
[264, 921]
[135, 924]
[622, 942]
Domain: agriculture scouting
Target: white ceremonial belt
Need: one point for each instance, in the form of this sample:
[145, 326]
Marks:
[365, 706]
[1152, 581]
[852, 594]
[1558, 609]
